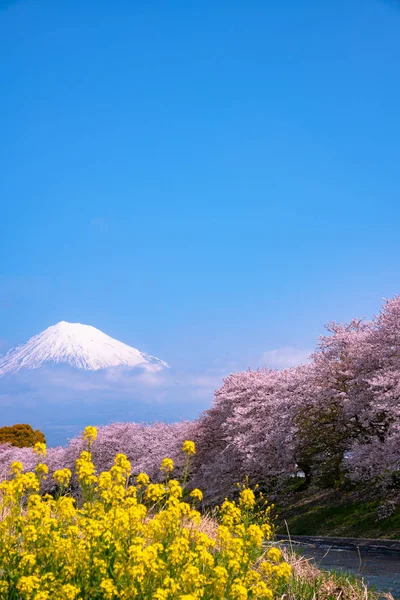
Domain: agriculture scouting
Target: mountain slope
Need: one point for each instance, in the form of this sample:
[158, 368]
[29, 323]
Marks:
[81, 346]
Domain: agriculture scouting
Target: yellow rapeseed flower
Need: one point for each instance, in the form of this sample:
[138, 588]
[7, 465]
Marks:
[197, 494]
[40, 449]
[122, 541]
[143, 479]
[189, 447]
[69, 592]
[3, 588]
[109, 589]
[62, 477]
[90, 434]
[155, 491]
[41, 470]
[16, 467]
[274, 554]
[238, 590]
[247, 498]
[27, 585]
[167, 465]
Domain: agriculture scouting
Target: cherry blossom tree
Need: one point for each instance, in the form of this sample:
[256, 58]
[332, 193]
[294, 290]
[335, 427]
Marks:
[336, 417]
[377, 452]
[250, 430]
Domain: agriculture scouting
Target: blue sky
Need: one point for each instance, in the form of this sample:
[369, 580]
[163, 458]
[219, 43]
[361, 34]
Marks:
[206, 181]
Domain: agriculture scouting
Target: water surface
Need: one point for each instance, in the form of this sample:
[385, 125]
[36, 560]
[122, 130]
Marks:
[379, 570]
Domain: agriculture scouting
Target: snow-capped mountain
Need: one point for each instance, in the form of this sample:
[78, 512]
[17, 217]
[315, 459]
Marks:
[77, 345]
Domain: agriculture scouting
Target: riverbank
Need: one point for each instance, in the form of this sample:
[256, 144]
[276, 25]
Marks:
[361, 545]
[376, 562]
[316, 578]
[338, 513]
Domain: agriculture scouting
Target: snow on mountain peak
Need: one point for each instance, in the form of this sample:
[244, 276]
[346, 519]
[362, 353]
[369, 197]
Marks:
[81, 346]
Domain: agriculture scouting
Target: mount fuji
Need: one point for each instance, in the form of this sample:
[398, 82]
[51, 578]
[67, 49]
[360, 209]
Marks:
[76, 345]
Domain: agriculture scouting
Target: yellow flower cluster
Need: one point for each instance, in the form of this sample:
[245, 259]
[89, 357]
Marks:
[90, 434]
[127, 541]
[189, 447]
[40, 449]
[167, 465]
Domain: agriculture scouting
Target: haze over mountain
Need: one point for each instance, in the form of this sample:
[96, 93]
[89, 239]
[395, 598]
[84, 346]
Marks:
[71, 375]
[76, 345]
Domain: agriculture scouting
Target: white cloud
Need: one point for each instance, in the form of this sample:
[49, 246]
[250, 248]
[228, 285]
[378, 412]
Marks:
[287, 356]
[66, 397]
[59, 381]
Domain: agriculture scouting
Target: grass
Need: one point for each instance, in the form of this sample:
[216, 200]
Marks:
[309, 583]
[337, 513]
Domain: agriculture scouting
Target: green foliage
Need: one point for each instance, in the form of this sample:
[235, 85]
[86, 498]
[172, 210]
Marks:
[21, 435]
[339, 515]
[396, 480]
[323, 438]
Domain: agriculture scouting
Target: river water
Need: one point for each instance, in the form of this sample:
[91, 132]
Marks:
[379, 570]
